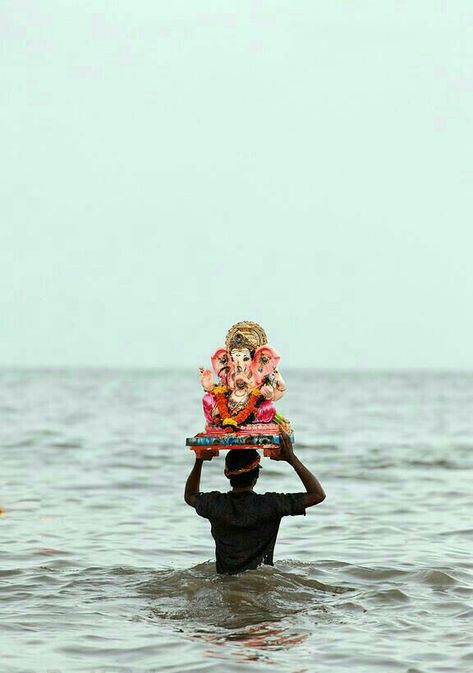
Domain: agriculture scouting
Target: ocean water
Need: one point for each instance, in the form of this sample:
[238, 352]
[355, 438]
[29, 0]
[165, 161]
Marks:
[104, 568]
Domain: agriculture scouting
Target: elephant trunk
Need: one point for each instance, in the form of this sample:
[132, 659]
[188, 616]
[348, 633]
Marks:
[241, 381]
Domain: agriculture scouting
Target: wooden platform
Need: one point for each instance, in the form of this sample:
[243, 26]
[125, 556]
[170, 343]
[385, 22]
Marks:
[262, 436]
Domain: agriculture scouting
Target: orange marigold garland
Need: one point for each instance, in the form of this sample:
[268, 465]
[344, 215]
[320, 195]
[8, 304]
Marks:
[227, 420]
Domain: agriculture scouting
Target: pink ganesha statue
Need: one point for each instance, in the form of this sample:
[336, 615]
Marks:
[249, 384]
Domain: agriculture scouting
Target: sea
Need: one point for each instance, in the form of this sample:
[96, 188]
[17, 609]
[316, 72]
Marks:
[105, 569]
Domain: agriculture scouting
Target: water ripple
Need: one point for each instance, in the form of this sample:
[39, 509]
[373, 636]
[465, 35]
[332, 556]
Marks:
[104, 568]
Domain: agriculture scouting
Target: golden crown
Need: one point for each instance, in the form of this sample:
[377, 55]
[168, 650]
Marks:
[245, 334]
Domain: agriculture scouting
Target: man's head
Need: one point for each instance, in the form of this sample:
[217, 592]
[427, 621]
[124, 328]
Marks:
[242, 467]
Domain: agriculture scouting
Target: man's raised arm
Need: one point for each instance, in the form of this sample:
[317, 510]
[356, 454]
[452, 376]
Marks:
[315, 492]
[193, 480]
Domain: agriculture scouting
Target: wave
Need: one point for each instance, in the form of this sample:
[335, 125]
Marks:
[268, 593]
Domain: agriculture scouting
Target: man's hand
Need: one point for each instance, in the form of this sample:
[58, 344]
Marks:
[286, 452]
[206, 454]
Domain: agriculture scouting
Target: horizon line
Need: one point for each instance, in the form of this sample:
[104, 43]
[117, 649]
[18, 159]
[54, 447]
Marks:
[319, 368]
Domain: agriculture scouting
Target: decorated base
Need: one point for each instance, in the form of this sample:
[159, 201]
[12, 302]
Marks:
[253, 436]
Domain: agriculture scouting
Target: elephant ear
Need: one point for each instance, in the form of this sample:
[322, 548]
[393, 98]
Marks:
[265, 360]
[221, 362]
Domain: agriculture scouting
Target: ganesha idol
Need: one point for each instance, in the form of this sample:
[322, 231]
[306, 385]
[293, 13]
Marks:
[239, 409]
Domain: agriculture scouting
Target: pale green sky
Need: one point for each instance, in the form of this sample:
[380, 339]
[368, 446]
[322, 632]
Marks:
[169, 168]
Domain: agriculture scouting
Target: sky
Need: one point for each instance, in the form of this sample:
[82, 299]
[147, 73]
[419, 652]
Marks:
[170, 168]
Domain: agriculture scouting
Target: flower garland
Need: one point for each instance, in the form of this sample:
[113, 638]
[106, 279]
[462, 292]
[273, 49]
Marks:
[227, 420]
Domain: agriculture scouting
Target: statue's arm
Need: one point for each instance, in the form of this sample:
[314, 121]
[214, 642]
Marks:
[278, 386]
[206, 379]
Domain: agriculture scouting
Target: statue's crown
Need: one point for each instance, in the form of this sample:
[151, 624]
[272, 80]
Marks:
[246, 334]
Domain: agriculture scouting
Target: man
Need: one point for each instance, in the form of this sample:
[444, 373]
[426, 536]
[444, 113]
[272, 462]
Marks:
[245, 524]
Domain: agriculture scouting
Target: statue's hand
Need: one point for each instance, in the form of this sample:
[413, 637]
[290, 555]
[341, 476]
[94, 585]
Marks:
[267, 392]
[206, 379]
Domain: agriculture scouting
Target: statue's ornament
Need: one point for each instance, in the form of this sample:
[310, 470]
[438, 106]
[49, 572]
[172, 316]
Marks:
[246, 335]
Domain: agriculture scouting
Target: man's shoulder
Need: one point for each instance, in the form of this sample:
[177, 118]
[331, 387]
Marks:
[211, 493]
[285, 503]
[274, 494]
[209, 496]
[205, 502]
